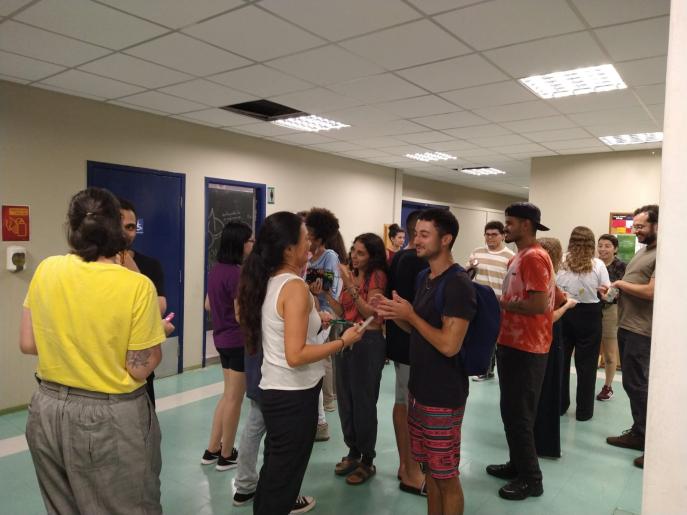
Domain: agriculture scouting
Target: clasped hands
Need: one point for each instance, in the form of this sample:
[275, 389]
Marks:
[395, 308]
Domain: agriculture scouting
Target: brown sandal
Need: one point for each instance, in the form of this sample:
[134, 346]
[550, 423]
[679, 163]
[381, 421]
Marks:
[346, 466]
[361, 474]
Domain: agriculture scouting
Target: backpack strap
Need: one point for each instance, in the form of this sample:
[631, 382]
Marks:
[439, 295]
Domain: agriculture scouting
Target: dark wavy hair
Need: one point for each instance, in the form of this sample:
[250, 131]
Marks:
[651, 211]
[94, 224]
[374, 246]
[234, 237]
[610, 238]
[323, 223]
[443, 220]
[277, 232]
[394, 229]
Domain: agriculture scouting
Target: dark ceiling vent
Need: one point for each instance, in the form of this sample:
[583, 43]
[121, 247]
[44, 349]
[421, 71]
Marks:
[264, 110]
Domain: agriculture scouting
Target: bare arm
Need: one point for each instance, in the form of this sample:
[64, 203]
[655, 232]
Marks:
[569, 304]
[27, 343]
[162, 302]
[207, 304]
[643, 291]
[294, 305]
[536, 304]
[140, 363]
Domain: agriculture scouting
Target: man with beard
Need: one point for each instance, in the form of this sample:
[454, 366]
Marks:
[438, 384]
[148, 266]
[635, 312]
[527, 304]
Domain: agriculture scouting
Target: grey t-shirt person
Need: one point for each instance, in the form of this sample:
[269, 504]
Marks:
[635, 314]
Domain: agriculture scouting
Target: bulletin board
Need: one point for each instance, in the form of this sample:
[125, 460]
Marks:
[620, 225]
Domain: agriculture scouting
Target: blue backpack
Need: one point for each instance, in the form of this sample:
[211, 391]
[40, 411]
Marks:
[478, 345]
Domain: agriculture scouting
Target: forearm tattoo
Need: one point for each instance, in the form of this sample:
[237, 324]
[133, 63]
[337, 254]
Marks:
[138, 358]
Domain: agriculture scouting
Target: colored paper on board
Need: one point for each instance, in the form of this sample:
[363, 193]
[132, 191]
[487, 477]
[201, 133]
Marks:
[15, 223]
[626, 247]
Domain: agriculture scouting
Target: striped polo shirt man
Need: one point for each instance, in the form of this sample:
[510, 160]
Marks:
[492, 266]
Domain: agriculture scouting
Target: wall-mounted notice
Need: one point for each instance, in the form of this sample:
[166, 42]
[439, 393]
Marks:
[15, 223]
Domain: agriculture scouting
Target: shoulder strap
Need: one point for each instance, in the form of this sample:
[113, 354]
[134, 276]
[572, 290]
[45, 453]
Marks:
[439, 295]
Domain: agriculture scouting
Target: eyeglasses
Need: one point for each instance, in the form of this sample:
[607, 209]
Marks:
[492, 234]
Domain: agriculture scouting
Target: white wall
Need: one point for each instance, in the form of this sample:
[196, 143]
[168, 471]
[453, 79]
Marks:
[584, 189]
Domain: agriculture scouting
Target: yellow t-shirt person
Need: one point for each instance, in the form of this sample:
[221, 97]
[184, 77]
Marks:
[85, 317]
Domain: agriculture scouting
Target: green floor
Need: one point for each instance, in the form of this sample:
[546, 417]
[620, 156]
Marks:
[590, 478]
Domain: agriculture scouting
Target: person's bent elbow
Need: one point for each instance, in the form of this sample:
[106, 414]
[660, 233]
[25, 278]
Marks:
[141, 363]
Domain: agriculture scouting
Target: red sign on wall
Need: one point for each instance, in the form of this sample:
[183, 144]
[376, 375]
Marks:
[15, 223]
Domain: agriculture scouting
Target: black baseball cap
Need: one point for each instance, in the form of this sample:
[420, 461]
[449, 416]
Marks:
[528, 211]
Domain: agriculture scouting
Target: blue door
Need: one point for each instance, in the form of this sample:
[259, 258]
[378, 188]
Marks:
[159, 201]
[408, 206]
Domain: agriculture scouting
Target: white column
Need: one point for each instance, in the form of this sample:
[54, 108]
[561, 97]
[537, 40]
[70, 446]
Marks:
[398, 195]
[665, 478]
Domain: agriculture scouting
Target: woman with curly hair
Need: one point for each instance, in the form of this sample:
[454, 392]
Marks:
[585, 279]
[359, 369]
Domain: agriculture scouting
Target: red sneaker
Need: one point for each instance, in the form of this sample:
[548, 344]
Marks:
[606, 393]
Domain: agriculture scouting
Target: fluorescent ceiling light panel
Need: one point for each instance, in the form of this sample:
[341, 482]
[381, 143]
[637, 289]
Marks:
[594, 79]
[632, 139]
[431, 156]
[309, 123]
[482, 170]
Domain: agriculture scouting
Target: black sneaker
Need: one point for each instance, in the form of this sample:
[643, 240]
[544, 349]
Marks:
[241, 499]
[521, 489]
[505, 471]
[209, 457]
[227, 463]
[303, 504]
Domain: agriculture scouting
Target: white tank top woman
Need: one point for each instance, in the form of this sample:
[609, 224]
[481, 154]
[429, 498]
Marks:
[276, 372]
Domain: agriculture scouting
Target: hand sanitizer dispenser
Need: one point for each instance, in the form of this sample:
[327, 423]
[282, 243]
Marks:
[16, 258]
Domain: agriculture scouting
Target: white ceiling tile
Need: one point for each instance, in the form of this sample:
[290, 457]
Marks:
[585, 150]
[68, 91]
[643, 71]
[364, 115]
[525, 147]
[575, 143]
[425, 137]
[503, 22]
[479, 153]
[436, 6]
[498, 141]
[461, 72]
[655, 94]
[195, 120]
[220, 117]
[266, 129]
[658, 111]
[377, 142]
[261, 81]
[162, 102]
[7, 7]
[303, 138]
[334, 20]
[378, 88]
[83, 82]
[368, 152]
[137, 108]
[607, 116]
[390, 160]
[402, 150]
[39, 44]
[540, 124]
[208, 93]
[450, 146]
[13, 79]
[611, 12]
[495, 94]
[336, 146]
[90, 22]
[614, 129]
[646, 38]
[135, 71]
[26, 68]
[326, 65]
[478, 131]
[254, 33]
[174, 13]
[316, 100]
[408, 45]
[187, 55]
[419, 106]
[521, 111]
[528, 155]
[451, 120]
[549, 55]
[595, 101]
[557, 135]
[396, 127]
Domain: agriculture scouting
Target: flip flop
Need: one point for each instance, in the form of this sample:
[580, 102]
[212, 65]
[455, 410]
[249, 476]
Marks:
[422, 491]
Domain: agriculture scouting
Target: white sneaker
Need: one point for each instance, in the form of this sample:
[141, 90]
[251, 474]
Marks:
[322, 434]
[303, 504]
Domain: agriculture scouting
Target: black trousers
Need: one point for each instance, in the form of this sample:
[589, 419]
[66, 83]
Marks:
[291, 422]
[635, 350]
[581, 333]
[358, 374]
[521, 375]
[547, 426]
[150, 387]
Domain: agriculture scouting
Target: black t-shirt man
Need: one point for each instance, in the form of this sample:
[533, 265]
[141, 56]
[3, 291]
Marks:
[437, 380]
[402, 276]
[152, 269]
